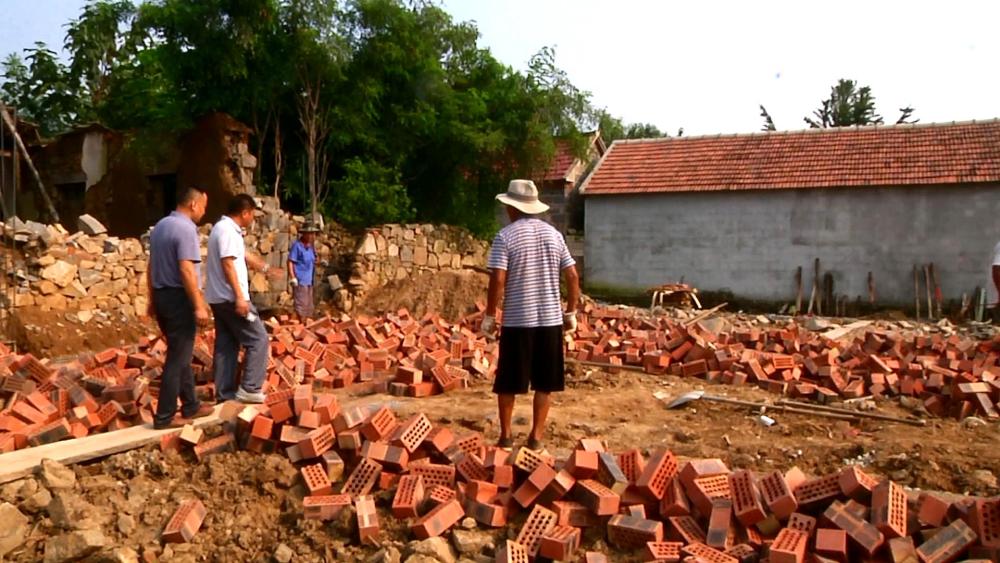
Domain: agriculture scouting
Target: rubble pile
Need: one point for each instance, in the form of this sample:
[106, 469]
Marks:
[41, 402]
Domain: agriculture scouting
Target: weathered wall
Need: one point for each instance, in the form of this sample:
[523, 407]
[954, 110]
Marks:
[751, 243]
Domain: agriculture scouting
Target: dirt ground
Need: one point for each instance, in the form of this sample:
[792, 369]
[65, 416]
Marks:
[451, 294]
[54, 334]
[254, 502]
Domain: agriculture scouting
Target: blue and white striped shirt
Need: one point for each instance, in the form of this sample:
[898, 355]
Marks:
[533, 253]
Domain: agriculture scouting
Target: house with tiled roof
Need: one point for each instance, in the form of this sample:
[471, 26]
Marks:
[558, 184]
[741, 213]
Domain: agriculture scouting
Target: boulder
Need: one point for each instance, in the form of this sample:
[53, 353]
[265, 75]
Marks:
[55, 475]
[60, 273]
[73, 545]
[13, 528]
[90, 226]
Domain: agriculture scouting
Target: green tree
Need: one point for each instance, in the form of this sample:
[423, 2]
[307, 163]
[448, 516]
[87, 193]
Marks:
[613, 129]
[370, 194]
[847, 105]
[43, 90]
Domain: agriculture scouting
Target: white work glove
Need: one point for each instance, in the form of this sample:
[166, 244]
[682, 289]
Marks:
[489, 326]
[294, 282]
[569, 321]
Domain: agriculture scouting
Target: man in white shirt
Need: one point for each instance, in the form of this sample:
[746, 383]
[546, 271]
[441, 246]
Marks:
[227, 291]
[993, 286]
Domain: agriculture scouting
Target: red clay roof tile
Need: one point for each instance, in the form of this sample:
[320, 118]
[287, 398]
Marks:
[895, 155]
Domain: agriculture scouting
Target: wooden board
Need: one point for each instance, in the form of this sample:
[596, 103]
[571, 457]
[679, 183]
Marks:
[22, 463]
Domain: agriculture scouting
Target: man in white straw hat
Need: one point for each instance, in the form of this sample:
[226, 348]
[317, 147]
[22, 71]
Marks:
[525, 262]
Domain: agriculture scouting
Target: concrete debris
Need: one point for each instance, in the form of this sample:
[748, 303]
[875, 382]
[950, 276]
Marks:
[73, 545]
[90, 226]
[13, 528]
[55, 475]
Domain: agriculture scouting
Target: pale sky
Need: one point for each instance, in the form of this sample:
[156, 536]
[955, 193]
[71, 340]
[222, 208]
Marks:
[705, 66]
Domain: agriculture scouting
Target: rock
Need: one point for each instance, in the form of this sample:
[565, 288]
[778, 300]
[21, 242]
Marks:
[420, 256]
[469, 523]
[90, 226]
[368, 246]
[470, 542]
[90, 277]
[816, 324]
[115, 555]
[73, 545]
[38, 501]
[13, 528]
[55, 475]
[437, 549]
[386, 555]
[984, 478]
[70, 511]
[126, 524]
[334, 282]
[283, 554]
[60, 273]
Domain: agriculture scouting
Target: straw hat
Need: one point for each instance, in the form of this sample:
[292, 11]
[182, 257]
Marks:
[309, 227]
[523, 196]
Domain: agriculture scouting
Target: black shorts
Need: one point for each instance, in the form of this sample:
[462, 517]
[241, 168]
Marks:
[530, 355]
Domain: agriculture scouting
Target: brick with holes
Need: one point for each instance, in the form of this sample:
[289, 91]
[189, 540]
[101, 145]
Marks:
[470, 467]
[367, 518]
[362, 480]
[744, 553]
[801, 522]
[628, 532]
[948, 543]
[558, 488]
[776, 494]
[437, 495]
[706, 489]
[317, 441]
[705, 554]
[379, 425]
[324, 507]
[789, 546]
[512, 552]
[631, 463]
[686, 529]
[856, 484]
[316, 479]
[862, 533]
[666, 551]
[986, 522]
[932, 510]
[412, 433]
[747, 506]
[221, 443]
[185, 522]
[350, 419]
[503, 476]
[657, 473]
[819, 490]
[538, 523]
[888, 509]
[528, 460]
[599, 499]
[570, 513]
[481, 491]
[434, 474]
[409, 495]
[560, 543]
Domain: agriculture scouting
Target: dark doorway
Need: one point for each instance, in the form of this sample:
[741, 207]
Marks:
[163, 196]
[70, 202]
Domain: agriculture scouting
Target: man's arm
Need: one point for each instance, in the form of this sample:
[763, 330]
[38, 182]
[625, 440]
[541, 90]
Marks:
[229, 271]
[498, 282]
[190, 280]
[572, 288]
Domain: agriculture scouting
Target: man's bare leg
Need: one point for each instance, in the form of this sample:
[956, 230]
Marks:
[540, 412]
[506, 407]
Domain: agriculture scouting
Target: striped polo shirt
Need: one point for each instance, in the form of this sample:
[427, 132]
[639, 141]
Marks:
[533, 253]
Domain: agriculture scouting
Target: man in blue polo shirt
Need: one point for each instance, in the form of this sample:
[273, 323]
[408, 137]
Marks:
[176, 302]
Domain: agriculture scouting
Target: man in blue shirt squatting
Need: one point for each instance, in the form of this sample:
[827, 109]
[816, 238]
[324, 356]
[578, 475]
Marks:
[525, 263]
[302, 269]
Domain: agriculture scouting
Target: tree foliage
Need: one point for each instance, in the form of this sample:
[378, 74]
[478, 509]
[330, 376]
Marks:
[846, 106]
[376, 110]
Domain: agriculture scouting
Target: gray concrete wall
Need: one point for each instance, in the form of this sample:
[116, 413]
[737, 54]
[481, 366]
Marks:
[751, 243]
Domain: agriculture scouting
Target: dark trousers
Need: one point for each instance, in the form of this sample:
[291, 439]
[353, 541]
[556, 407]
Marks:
[231, 332]
[175, 315]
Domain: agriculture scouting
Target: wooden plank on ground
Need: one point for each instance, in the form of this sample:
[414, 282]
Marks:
[22, 463]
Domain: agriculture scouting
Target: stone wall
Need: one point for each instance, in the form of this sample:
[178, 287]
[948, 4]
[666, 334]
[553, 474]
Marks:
[91, 274]
[396, 252]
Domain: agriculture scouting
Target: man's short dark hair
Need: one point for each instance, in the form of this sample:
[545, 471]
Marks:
[240, 203]
[189, 194]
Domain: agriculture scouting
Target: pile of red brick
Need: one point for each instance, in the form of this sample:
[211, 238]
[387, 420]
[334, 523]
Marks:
[42, 403]
[951, 375]
[433, 479]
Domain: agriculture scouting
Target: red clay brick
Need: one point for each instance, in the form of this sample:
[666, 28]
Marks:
[317, 441]
[789, 547]
[674, 502]
[658, 473]
[185, 522]
[438, 520]
[705, 554]
[324, 507]
[610, 474]
[686, 529]
[832, 543]
[560, 543]
[818, 490]
[316, 480]
[747, 505]
[367, 518]
[362, 480]
[599, 499]
[628, 532]
[801, 522]
[412, 433]
[888, 510]
[379, 425]
[512, 552]
[986, 522]
[947, 544]
[932, 510]
[902, 550]
[582, 464]
[487, 514]
[719, 523]
[532, 487]
[434, 474]
[856, 484]
[669, 552]
[391, 458]
[409, 494]
[539, 522]
[708, 488]
[863, 534]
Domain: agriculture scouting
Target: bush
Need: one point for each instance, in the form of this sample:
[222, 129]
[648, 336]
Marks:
[369, 194]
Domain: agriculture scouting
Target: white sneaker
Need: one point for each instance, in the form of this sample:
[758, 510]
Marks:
[249, 398]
